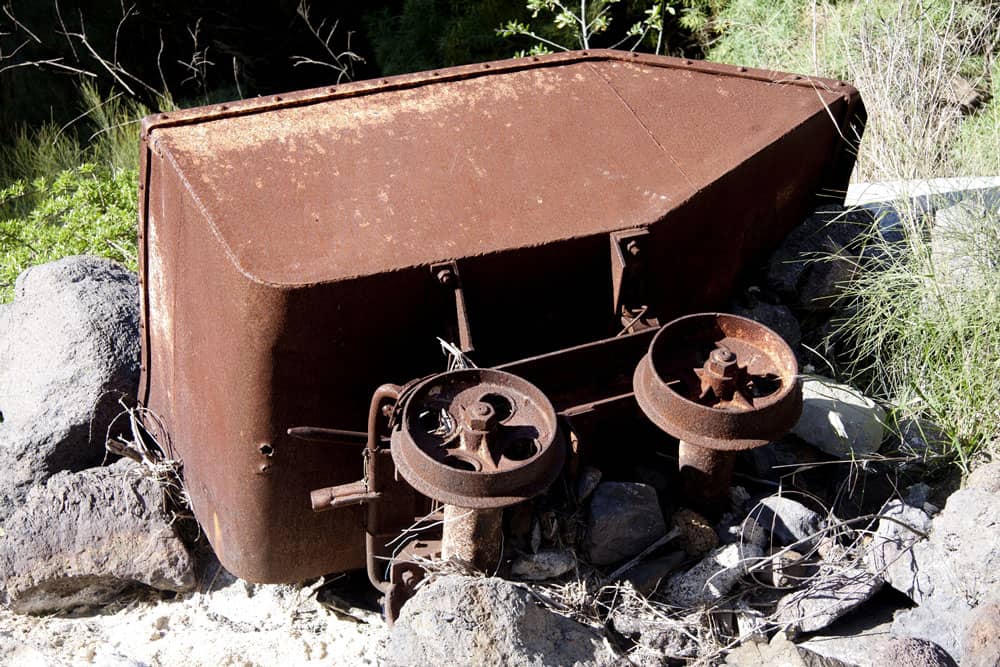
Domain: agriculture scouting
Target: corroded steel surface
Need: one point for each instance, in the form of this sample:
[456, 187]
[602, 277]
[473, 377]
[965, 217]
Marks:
[682, 387]
[719, 383]
[477, 438]
[474, 536]
[287, 242]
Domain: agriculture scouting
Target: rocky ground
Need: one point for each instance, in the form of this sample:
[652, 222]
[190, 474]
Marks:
[842, 545]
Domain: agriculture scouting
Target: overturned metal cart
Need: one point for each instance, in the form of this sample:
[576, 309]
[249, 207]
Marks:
[302, 255]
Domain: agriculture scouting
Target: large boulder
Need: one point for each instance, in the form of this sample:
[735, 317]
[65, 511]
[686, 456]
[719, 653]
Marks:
[69, 351]
[839, 420]
[625, 518]
[81, 538]
[474, 621]
[953, 571]
[981, 637]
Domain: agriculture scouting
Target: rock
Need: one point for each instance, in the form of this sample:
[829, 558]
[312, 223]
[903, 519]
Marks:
[981, 637]
[546, 564]
[859, 635]
[69, 350]
[831, 593]
[781, 458]
[985, 478]
[779, 652]
[792, 264]
[891, 553]
[777, 317]
[917, 495]
[589, 478]
[625, 518]
[698, 536]
[922, 438]
[470, 621]
[81, 538]
[667, 638]
[646, 576]
[953, 571]
[909, 652]
[788, 521]
[713, 577]
[824, 283]
[839, 420]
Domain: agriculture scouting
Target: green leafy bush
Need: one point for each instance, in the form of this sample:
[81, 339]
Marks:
[71, 190]
[90, 209]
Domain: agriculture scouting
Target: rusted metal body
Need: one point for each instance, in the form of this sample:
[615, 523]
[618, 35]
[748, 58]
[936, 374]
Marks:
[718, 383]
[477, 440]
[300, 250]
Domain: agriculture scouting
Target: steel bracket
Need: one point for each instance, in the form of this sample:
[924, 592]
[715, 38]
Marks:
[630, 298]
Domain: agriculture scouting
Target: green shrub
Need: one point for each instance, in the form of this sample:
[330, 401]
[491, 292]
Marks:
[90, 209]
[71, 190]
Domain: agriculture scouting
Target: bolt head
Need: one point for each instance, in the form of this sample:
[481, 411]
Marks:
[722, 362]
[480, 416]
[446, 277]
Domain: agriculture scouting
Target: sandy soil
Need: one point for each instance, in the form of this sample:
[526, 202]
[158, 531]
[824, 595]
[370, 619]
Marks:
[232, 624]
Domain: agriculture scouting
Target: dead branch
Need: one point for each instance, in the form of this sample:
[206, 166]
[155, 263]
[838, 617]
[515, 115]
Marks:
[342, 62]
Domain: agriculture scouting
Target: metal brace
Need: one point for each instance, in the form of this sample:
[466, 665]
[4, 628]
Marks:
[630, 298]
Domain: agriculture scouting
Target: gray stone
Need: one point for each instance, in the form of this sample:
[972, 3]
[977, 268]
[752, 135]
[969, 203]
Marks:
[790, 266]
[473, 621]
[81, 538]
[981, 637]
[777, 317]
[712, 577]
[891, 553]
[953, 571]
[824, 283]
[664, 637]
[985, 478]
[910, 652]
[69, 350]
[917, 495]
[831, 593]
[857, 636]
[625, 518]
[780, 651]
[922, 438]
[589, 478]
[646, 576]
[546, 564]
[839, 420]
[788, 521]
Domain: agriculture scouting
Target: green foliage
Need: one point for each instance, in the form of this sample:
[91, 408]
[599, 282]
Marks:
[90, 209]
[923, 331]
[559, 26]
[977, 148]
[52, 206]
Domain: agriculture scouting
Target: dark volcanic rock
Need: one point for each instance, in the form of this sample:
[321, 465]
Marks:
[81, 538]
[69, 350]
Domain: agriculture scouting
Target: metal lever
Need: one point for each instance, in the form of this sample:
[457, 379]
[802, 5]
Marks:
[343, 495]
